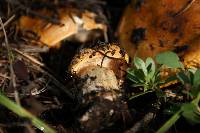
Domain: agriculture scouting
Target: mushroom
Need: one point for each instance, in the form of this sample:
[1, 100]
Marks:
[149, 27]
[103, 66]
[103, 70]
[75, 24]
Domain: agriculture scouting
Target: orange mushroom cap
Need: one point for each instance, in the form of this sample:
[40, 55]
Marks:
[73, 22]
[107, 64]
[149, 27]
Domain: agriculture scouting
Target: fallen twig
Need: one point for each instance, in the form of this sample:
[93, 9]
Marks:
[4, 76]
[33, 13]
[42, 68]
[7, 22]
[10, 59]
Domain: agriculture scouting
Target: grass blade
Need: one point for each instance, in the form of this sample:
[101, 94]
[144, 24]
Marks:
[24, 113]
[170, 122]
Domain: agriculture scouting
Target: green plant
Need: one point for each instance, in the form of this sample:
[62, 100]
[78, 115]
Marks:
[147, 74]
[190, 110]
[144, 74]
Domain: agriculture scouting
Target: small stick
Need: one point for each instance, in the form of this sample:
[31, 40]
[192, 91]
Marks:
[4, 76]
[8, 21]
[32, 59]
[33, 13]
[42, 68]
[10, 56]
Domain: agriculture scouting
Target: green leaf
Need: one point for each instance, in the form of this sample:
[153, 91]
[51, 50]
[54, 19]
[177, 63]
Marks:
[194, 91]
[196, 81]
[183, 78]
[157, 75]
[140, 74]
[170, 122]
[151, 68]
[138, 85]
[140, 94]
[172, 109]
[170, 59]
[130, 72]
[160, 93]
[150, 61]
[192, 70]
[139, 63]
[132, 78]
[170, 79]
[189, 112]
[188, 107]
[191, 76]
[136, 76]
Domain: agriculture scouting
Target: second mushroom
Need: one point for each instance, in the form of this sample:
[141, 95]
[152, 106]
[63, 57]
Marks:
[103, 70]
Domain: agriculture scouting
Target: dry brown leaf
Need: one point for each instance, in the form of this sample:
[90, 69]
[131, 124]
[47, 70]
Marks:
[20, 70]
